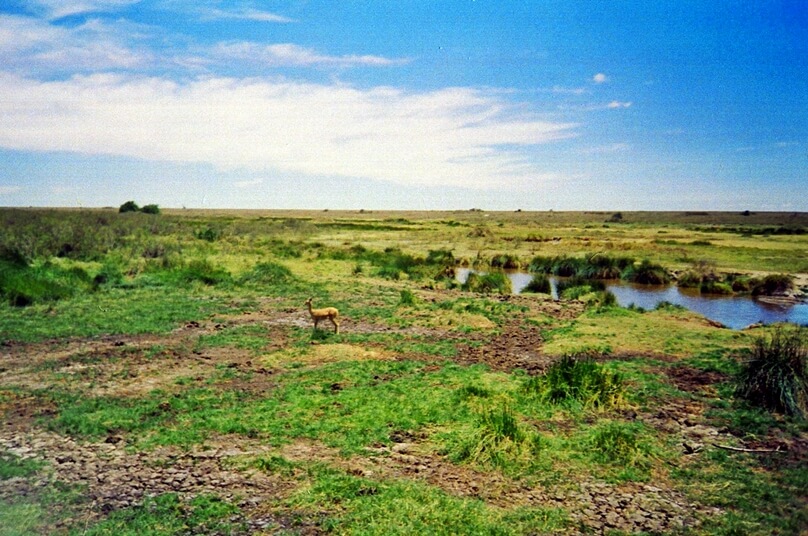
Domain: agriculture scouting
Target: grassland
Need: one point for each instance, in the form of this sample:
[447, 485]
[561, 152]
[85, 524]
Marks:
[159, 374]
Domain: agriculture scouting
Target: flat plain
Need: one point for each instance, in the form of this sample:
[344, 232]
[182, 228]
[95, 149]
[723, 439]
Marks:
[160, 374]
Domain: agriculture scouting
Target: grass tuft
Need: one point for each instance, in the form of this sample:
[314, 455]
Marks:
[776, 377]
[578, 379]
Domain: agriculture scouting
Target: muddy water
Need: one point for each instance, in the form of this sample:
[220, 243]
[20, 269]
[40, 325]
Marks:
[736, 312]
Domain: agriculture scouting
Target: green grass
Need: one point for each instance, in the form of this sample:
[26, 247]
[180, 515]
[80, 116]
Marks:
[12, 466]
[361, 505]
[117, 311]
[578, 380]
[167, 514]
[496, 438]
[776, 375]
[754, 502]
[393, 375]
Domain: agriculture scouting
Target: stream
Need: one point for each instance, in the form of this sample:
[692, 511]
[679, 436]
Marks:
[735, 312]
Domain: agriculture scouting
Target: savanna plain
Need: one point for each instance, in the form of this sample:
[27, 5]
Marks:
[160, 374]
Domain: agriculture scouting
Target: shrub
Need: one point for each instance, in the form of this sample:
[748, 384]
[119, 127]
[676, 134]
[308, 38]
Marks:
[494, 282]
[506, 262]
[21, 286]
[578, 378]
[407, 297]
[539, 283]
[646, 273]
[150, 209]
[129, 206]
[267, 273]
[203, 271]
[715, 287]
[776, 376]
[209, 234]
[593, 267]
[773, 284]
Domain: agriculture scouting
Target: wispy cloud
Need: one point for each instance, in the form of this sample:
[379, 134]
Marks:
[32, 45]
[619, 104]
[7, 190]
[246, 14]
[249, 183]
[56, 9]
[288, 54]
[606, 149]
[569, 90]
[600, 78]
[453, 136]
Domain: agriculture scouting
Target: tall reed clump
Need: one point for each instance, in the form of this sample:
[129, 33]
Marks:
[539, 283]
[578, 379]
[493, 282]
[646, 273]
[776, 376]
[620, 443]
[496, 439]
[592, 267]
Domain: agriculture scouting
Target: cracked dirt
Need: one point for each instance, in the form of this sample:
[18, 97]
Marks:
[130, 366]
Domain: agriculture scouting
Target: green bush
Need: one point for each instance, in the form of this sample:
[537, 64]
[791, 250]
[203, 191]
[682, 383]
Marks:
[203, 271]
[593, 267]
[267, 273]
[773, 284]
[209, 234]
[506, 262]
[407, 297]
[715, 287]
[646, 273]
[776, 376]
[539, 283]
[578, 379]
[150, 209]
[129, 206]
[22, 285]
[494, 282]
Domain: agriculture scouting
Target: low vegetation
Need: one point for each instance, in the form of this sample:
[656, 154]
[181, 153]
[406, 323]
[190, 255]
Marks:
[776, 375]
[159, 374]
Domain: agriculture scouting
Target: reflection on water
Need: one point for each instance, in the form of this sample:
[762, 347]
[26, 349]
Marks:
[735, 312]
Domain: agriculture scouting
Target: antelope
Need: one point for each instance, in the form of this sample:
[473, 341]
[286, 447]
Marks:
[329, 313]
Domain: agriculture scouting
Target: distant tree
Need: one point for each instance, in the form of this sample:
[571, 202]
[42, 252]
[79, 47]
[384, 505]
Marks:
[150, 209]
[129, 206]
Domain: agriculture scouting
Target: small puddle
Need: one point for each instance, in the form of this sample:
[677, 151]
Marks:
[736, 312]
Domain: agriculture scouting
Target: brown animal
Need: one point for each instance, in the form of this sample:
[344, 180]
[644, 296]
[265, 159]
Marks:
[329, 313]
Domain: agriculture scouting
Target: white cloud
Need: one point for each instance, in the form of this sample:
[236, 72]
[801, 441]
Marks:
[606, 149]
[246, 14]
[570, 90]
[619, 104]
[600, 78]
[29, 45]
[453, 136]
[249, 183]
[7, 190]
[55, 9]
[287, 54]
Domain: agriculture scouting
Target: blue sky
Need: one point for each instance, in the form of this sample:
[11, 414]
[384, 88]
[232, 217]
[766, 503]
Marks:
[499, 105]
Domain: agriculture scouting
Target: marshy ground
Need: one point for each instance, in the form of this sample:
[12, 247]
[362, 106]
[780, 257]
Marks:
[166, 405]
